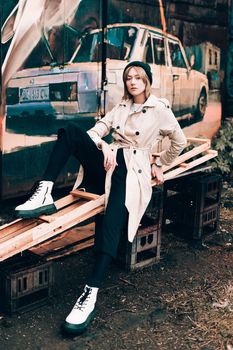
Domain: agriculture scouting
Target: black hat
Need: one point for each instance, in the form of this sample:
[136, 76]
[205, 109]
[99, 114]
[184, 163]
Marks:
[143, 65]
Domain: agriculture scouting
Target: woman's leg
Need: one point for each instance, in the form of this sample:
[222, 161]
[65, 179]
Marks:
[101, 265]
[74, 141]
[107, 236]
[110, 225]
[58, 157]
[71, 141]
[83, 311]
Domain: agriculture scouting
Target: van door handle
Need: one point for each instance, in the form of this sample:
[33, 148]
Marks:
[175, 77]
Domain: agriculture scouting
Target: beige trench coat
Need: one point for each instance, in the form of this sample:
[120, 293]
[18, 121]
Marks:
[139, 134]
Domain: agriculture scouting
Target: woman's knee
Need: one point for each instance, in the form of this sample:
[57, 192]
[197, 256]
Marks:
[74, 134]
[72, 130]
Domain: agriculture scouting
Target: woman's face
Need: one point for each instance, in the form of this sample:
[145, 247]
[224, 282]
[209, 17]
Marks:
[134, 83]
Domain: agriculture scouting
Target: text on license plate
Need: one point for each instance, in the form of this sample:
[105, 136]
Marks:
[34, 94]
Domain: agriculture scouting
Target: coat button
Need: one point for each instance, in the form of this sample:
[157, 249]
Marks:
[137, 132]
[134, 151]
[139, 171]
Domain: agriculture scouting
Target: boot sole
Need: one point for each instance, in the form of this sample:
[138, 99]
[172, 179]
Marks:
[77, 329]
[45, 210]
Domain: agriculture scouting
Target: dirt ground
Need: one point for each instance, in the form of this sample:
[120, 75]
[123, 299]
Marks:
[183, 302]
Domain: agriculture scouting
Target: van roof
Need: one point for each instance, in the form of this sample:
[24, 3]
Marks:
[139, 26]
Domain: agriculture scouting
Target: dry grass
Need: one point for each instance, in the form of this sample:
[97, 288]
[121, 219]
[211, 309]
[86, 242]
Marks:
[209, 311]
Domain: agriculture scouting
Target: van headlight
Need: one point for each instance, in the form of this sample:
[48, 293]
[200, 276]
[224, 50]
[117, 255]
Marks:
[63, 91]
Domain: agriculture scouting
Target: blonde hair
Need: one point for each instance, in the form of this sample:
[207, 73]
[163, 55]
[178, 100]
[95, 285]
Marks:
[143, 76]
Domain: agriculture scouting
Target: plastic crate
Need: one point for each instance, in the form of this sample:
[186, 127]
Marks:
[143, 251]
[192, 204]
[199, 187]
[154, 211]
[25, 283]
[145, 248]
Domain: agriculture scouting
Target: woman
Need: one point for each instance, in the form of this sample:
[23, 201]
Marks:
[122, 169]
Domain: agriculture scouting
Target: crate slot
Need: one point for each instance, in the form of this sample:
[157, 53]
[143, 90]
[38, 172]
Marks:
[25, 282]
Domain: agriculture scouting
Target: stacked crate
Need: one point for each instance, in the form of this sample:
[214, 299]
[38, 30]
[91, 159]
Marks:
[145, 248]
[25, 283]
[192, 204]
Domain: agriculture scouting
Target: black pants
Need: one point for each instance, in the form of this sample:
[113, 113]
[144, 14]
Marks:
[74, 141]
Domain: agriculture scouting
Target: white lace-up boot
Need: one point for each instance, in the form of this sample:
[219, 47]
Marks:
[40, 202]
[82, 313]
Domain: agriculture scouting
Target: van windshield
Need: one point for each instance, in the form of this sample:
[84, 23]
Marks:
[56, 48]
[119, 43]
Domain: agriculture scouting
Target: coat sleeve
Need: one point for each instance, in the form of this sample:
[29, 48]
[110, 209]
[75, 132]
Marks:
[103, 126]
[171, 128]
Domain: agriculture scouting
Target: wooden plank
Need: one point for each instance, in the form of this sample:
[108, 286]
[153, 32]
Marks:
[83, 194]
[183, 165]
[18, 226]
[194, 170]
[60, 245]
[9, 224]
[14, 225]
[74, 196]
[45, 230]
[75, 249]
[18, 229]
[67, 209]
[71, 236]
[64, 201]
[186, 156]
[198, 140]
[171, 174]
[213, 152]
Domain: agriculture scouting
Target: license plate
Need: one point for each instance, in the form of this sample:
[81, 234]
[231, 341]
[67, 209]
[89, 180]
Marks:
[31, 94]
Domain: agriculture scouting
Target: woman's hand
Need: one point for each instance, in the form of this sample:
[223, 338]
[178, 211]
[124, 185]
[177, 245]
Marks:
[109, 156]
[157, 174]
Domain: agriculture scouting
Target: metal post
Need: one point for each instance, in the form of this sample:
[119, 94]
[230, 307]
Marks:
[163, 20]
[229, 65]
[102, 92]
[1, 108]
[0, 54]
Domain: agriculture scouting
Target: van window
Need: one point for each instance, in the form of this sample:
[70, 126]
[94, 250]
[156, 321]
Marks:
[159, 53]
[176, 55]
[148, 53]
[38, 57]
[210, 56]
[119, 44]
[215, 58]
[56, 47]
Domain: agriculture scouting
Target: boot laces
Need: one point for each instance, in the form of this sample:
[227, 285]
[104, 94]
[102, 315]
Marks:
[35, 190]
[83, 299]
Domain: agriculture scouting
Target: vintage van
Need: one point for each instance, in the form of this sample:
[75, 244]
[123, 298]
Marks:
[90, 83]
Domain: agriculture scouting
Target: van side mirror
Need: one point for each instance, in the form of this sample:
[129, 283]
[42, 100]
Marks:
[192, 60]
